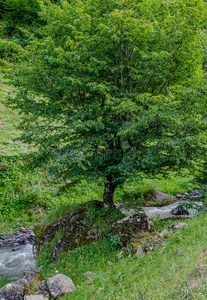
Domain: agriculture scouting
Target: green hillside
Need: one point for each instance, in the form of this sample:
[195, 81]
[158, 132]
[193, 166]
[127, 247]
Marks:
[113, 99]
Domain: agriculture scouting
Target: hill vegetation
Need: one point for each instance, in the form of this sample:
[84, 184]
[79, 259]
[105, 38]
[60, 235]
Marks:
[105, 100]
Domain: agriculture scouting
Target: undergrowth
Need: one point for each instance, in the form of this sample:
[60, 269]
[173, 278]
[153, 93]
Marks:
[161, 274]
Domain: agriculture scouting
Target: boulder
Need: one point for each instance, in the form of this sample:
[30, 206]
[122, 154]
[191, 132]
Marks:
[77, 228]
[139, 252]
[164, 233]
[181, 211]
[179, 226]
[13, 290]
[74, 228]
[28, 284]
[131, 225]
[60, 285]
[158, 198]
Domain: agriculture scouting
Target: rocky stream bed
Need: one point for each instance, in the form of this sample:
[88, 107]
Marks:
[16, 250]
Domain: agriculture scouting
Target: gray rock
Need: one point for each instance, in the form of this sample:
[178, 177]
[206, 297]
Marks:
[16, 249]
[178, 196]
[178, 251]
[36, 297]
[179, 226]
[60, 285]
[120, 254]
[164, 233]
[43, 285]
[131, 225]
[139, 252]
[12, 291]
[158, 196]
[77, 232]
[29, 276]
[90, 277]
[180, 211]
[22, 229]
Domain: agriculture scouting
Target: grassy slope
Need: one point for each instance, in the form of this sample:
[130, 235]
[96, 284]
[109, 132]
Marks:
[161, 274]
[9, 120]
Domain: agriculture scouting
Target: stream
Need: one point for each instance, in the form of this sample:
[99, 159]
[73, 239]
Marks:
[14, 263]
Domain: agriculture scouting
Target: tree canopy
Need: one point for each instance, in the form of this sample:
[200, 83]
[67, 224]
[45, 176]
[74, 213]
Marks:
[110, 89]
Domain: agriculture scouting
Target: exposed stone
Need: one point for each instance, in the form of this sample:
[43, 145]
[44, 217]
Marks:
[159, 198]
[10, 291]
[178, 251]
[178, 196]
[120, 255]
[179, 226]
[21, 237]
[60, 285]
[181, 211]
[90, 277]
[43, 285]
[76, 231]
[16, 249]
[36, 297]
[139, 252]
[17, 289]
[164, 233]
[131, 225]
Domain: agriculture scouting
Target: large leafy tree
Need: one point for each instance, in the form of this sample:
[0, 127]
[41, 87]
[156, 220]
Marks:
[114, 88]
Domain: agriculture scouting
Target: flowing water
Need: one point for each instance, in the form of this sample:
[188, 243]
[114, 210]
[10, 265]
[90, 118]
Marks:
[14, 263]
[163, 212]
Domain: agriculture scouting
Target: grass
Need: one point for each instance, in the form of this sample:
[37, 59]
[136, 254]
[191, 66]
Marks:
[27, 198]
[161, 274]
[9, 144]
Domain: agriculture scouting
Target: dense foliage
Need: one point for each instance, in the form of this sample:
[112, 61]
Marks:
[19, 12]
[114, 89]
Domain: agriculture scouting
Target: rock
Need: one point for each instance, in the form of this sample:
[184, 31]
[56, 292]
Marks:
[30, 287]
[38, 270]
[36, 297]
[178, 196]
[43, 285]
[13, 290]
[180, 211]
[131, 225]
[139, 252]
[21, 237]
[178, 251]
[179, 226]
[31, 276]
[164, 233]
[16, 248]
[60, 285]
[76, 231]
[90, 277]
[120, 254]
[22, 229]
[159, 198]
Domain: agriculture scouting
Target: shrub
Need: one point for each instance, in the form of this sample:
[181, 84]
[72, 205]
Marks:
[10, 50]
[19, 12]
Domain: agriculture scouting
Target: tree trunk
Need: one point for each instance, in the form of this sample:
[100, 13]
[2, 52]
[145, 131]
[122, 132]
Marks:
[108, 196]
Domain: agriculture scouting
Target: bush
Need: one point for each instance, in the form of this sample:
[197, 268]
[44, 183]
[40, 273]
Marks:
[10, 50]
[20, 191]
[18, 12]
